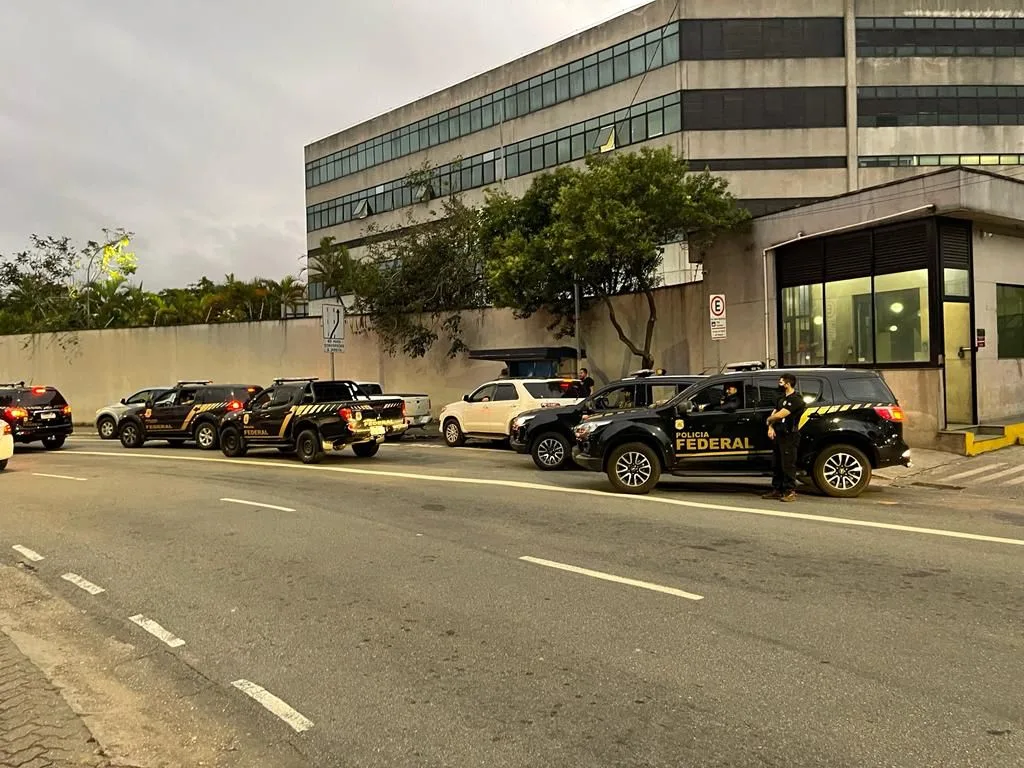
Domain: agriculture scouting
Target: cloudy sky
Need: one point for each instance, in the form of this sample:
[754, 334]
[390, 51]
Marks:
[185, 121]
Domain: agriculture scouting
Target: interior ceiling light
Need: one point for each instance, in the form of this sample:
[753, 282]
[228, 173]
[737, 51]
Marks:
[896, 307]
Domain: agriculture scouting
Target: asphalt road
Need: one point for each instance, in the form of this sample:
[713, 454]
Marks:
[386, 602]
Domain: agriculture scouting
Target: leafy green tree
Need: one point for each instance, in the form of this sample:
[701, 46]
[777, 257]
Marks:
[607, 228]
[332, 265]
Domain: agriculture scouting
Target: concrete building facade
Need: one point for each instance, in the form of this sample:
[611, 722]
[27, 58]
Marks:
[792, 102]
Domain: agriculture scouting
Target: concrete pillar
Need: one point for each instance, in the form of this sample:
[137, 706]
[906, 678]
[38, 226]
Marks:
[850, 33]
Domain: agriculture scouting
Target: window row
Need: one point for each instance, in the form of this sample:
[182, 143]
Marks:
[599, 70]
[963, 24]
[776, 38]
[933, 36]
[657, 117]
[1010, 321]
[940, 105]
[911, 161]
[768, 163]
[647, 120]
[764, 108]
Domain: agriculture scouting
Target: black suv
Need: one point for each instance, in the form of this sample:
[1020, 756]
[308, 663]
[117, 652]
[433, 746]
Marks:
[36, 414]
[546, 433]
[190, 411]
[852, 424]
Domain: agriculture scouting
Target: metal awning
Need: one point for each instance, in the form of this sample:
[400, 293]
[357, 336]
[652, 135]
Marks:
[525, 354]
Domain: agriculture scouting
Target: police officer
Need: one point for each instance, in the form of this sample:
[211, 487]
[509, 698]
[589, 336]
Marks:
[731, 402]
[783, 430]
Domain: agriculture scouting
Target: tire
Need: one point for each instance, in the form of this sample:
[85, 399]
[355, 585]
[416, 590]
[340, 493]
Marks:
[232, 443]
[551, 451]
[842, 471]
[634, 468]
[106, 428]
[366, 450]
[308, 447]
[54, 442]
[453, 435]
[132, 435]
[206, 436]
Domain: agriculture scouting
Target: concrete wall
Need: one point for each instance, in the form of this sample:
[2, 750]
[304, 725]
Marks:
[998, 258]
[104, 366]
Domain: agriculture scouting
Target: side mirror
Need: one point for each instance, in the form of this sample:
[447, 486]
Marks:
[465, 398]
[124, 401]
[686, 406]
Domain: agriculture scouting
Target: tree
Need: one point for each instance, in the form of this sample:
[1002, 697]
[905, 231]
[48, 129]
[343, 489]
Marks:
[608, 229]
[334, 268]
[418, 278]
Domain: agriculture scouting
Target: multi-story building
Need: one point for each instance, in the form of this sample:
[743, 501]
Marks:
[820, 98]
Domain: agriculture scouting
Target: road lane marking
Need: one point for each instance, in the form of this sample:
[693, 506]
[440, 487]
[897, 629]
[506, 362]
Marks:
[258, 504]
[853, 522]
[157, 631]
[35, 557]
[85, 584]
[1015, 481]
[612, 577]
[976, 471]
[59, 477]
[274, 705]
[1005, 473]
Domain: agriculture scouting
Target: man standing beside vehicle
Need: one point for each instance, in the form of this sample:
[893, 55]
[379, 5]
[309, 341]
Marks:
[784, 431]
[588, 383]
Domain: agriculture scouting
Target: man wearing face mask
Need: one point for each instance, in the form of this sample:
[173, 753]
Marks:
[783, 430]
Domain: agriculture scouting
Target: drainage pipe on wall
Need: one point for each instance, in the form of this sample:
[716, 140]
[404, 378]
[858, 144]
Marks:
[803, 236]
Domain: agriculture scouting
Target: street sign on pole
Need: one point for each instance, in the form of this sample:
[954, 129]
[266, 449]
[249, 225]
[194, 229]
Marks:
[334, 327]
[716, 307]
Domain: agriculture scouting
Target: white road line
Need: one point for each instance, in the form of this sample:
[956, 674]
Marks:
[85, 584]
[976, 471]
[59, 477]
[298, 722]
[1015, 481]
[612, 577]
[35, 557]
[1005, 473]
[157, 631]
[258, 504]
[625, 498]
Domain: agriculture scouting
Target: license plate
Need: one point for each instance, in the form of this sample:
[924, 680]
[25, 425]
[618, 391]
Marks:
[377, 431]
[48, 416]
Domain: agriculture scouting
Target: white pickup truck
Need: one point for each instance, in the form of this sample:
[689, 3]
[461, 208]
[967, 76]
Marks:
[417, 407]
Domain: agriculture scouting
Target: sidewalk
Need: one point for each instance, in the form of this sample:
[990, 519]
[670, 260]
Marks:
[37, 727]
[923, 460]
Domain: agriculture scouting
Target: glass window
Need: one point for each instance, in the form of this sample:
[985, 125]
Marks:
[810, 389]
[506, 392]
[849, 333]
[901, 317]
[956, 282]
[662, 393]
[616, 398]
[484, 394]
[803, 328]
[1010, 321]
[557, 389]
[866, 389]
[763, 393]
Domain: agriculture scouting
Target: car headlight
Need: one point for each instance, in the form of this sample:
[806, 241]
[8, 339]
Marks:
[587, 428]
[520, 421]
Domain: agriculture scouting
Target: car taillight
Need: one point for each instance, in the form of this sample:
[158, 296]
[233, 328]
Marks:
[891, 413]
[38, 390]
[345, 413]
[15, 414]
[234, 405]
[5, 428]
[67, 410]
[404, 406]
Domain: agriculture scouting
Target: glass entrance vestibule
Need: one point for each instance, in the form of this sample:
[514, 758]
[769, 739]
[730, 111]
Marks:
[889, 297]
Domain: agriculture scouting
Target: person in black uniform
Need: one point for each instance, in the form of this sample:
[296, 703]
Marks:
[588, 383]
[783, 430]
[732, 401]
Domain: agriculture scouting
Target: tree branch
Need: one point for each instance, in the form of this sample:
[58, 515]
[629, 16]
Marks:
[618, 328]
[652, 319]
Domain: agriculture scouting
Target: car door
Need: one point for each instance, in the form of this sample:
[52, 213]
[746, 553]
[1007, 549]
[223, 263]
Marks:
[710, 438]
[763, 394]
[477, 409]
[257, 424]
[170, 413]
[505, 404]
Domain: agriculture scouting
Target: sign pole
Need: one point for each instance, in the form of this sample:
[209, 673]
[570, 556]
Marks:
[333, 322]
[332, 366]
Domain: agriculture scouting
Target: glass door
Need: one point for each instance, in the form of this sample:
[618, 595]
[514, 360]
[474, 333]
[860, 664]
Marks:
[959, 363]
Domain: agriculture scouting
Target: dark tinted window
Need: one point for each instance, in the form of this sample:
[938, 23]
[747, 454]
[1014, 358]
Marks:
[866, 389]
[764, 108]
[617, 398]
[506, 392]
[39, 397]
[814, 390]
[764, 394]
[285, 395]
[147, 394]
[484, 393]
[333, 391]
[785, 38]
[543, 390]
[888, 106]
[930, 36]
[371, 389]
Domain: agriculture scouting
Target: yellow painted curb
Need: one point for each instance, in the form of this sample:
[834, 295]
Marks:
[1013, 434]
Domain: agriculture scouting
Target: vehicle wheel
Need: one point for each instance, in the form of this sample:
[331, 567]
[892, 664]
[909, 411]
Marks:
[54, 442]
[131, 435]
[366, 450]
[107, 428]
[3, 464]
[842, 471]
[551, 451]
[453, 435]
[634, 468]
[232, 444]
[308, 447]
[206, 436]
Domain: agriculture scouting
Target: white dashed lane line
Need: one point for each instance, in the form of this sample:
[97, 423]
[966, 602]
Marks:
[612, 577]
[271, 703]
[258, 504]
[59, 477]
[157, 631]
[27, 553]
[85, 584]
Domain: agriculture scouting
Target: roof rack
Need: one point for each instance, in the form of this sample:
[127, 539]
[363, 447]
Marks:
[295, 379]
[643, 372]
[193, 381]
[13, 384]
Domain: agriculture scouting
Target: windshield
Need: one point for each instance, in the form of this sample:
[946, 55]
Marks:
[557, 389]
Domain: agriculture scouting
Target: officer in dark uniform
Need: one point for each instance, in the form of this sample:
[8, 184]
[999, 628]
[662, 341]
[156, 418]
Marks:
[783, 429]
[732, 401]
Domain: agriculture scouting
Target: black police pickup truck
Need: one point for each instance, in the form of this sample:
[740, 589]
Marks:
[190, 411]
[852, 424]
[308, 417]
[36, 414]
[547, 433]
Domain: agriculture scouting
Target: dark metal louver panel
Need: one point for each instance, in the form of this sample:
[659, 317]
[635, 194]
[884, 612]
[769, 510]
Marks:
[848, 256]
[800, 263]
[902, 248]
[955, 246]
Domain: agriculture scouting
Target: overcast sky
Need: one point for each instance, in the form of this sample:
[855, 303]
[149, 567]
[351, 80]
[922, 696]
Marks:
[185, 121]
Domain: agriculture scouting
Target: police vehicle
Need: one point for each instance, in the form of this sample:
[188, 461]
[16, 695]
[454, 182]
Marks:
[309, 417]
[36, 414]
[547, 434]
[852, 424]
[191, 410]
